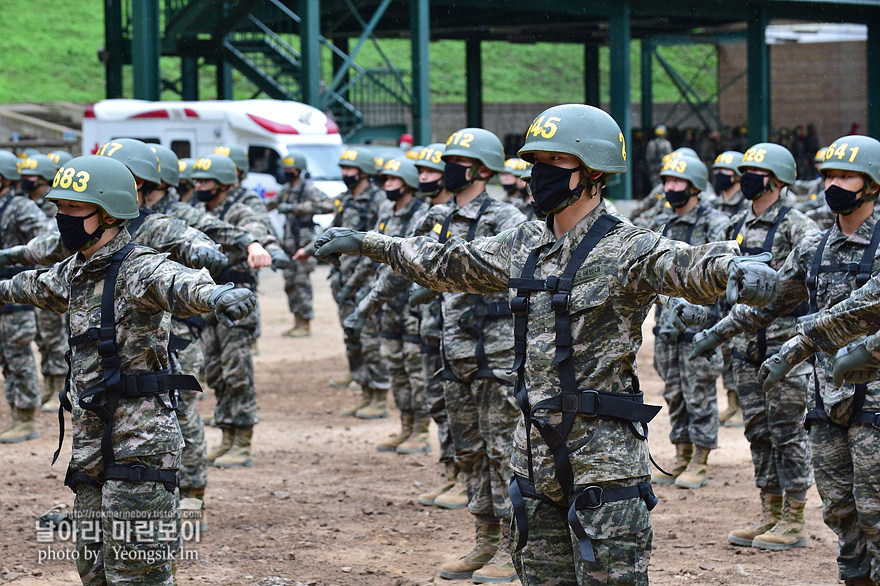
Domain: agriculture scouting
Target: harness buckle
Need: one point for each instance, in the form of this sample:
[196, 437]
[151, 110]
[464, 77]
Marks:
[559, 302]
[551, 283]
[519, 305]
[876, 421]
[137, 472]
[593, 497]
[594, 412]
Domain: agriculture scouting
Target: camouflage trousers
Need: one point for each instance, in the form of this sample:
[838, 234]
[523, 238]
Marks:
[229, 370]
[194, 458]
[482, 417]
[689, 392]
[848, 479]
[20, 382]
[400, 349]
[52, 342]
[436, 399]
[774, 427]
[354, 351]
[727, 377]
[298, 286]
[620, 533]
[126, 532]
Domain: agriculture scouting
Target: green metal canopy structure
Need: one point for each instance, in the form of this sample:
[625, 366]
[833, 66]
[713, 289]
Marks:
[253, 37]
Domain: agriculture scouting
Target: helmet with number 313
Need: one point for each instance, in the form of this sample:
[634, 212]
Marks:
[102, 181]
[585, 132]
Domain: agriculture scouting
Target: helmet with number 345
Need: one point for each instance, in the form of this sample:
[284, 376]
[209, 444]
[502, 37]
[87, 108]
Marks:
[102, 181]
[584, 131]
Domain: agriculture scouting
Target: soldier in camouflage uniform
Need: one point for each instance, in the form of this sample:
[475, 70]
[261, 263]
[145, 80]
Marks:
[229, 368]
[777, 439]
[400, 345]
[725, 179]
[515, 189]
[299, 201]
[689, 388]
[600, 480]
[20, 220]
[654, 204]
[59, 157]
[130, 473]
[842, 419]
[185, 187]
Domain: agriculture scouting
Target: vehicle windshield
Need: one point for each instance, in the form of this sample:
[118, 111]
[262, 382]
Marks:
[323, 160]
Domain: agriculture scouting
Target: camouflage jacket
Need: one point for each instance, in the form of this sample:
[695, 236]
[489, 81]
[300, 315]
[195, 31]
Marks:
[148, 288]
[229, 237]
[48, 208]
[792, 229]
[307, 200]
[612, 294]
[358, 212]
[734, 205]
[20, 220]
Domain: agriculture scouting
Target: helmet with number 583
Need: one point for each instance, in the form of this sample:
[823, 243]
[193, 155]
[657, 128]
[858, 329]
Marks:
[102, 181]
[585, 132]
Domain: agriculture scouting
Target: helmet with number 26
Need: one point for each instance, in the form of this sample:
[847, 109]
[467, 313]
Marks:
[102, 181]
[585, 132]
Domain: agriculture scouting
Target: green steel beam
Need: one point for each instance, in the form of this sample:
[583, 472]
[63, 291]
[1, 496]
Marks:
[758, 77]
[338, 62]
[224, 80]
[474, 82]
[592, 80]
[309, 32]
[619, 46]
[366, 34]
[145, 48]
[647, 85]
[112, 54]
[419, 14]
[189, 78]
[694, 102]
[873, 80]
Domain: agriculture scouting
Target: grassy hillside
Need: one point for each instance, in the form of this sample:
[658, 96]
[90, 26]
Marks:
[51, 54]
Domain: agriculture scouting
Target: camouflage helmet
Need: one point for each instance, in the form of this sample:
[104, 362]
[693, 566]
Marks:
[771, 157]
[169, 164]
[857, 153]
[185, 168]
[39, 165]
[516, 166]
[359, 158]
[238, 155]
[688, 168]
[431, 157]
[476, 143]
[103, 181]
[136, 155]
[402, 168]
[728, 160]
[59, 157]
[9, 166]
[584, 131]
[215, 166]
[295, 160]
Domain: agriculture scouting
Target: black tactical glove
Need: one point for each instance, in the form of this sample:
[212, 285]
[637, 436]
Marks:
[231, 304]
[684, 314]
[772, 371]
[854, 364]
[354, 323]
[209, 258]
[336, 241]
[705, 343]
[280, 260]
[751, 281]
[420, 295]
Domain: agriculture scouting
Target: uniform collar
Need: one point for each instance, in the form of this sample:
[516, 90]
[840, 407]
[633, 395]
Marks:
[471, 210]
[406, 209]
[863, 233]
[689, 218]
[577, 233]
[769, 215]
[101, 258]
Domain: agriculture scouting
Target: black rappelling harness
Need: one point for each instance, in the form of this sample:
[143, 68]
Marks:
[473, 321]
[115, 386]
[572, 401]
[293, 221]
[862, 271]
[799, 311]
[9, 272]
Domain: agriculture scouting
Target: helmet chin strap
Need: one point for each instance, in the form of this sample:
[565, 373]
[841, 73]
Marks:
[587, 180]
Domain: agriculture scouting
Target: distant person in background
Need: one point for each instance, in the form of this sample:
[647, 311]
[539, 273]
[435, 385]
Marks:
[658, 147]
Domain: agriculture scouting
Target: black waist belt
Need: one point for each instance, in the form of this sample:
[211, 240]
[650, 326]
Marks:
[7, 308]
[589, 497]
[195, 324]
[139, 473]
[591, 403]
[870, 417]
[9, 272]
[237, 277]
[686, 336]
[740, 356]
[428, 349]
[177, 343]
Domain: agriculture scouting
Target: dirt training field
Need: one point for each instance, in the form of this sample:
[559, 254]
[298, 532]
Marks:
[322, 506]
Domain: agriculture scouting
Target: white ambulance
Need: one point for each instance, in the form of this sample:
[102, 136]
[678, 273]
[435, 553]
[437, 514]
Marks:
[267, 129]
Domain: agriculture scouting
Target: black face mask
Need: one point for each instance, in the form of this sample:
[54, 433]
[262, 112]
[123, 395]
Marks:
[291, 176]
[183, 187]
[393, 194]
[430, 189]
[206, 194]
[455, 178]
[351, 180]
[722, 182]
[28, 185]
[538, 213]
[73, 231]
[550, 187]
[842, 201]
[752, 185]
[677, 199]
[509, 188]
[524, 193]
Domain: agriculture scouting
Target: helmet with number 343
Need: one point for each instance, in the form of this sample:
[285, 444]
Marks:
[584, 131]
[102, 181]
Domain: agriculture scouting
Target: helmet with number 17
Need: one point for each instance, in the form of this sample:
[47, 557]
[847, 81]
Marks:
[100, 180]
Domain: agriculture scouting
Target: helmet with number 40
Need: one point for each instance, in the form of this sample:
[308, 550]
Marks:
[103, 181]
[585, 132]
